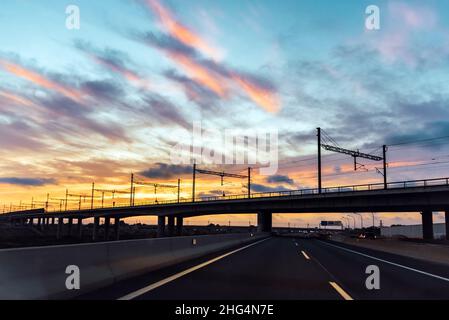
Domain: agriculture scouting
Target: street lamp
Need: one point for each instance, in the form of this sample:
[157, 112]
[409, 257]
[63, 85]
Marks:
[374, 224]
[352, 219]
[347, 221]
[361, 219]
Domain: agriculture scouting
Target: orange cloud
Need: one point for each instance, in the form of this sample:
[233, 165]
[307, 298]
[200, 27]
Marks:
[16, 99]
[201, 74]
[36, 78]
[262, 96]
[127, 74]
[181, 32]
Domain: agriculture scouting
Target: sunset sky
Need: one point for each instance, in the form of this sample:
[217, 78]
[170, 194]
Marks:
[116, 96]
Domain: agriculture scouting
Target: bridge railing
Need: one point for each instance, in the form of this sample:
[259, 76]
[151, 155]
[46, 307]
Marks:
[304, 192]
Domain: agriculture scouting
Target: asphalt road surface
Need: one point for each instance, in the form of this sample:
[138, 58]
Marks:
[287, 269]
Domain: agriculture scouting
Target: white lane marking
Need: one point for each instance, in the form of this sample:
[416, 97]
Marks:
[340, 291]
[389, 262]
[305, 255]
[160, 283]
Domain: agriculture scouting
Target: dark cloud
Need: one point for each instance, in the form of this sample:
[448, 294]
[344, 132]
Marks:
[32, 182]
[163, 111]
[104, 90]
[262, 188]
[166, 43]
[166, 171]
[19, 135]
[280, 179]
[428, 131]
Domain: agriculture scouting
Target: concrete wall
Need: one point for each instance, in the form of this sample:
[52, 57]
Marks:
[413, 231]
[39, 273]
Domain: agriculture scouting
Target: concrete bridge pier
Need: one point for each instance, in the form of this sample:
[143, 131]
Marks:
[446, 214]
[31, 222]
[179, 225]
[59, 229]
[95, 228]
[39, 223]
[79, 230]
[70, 224]
[107, 223]
[264, 221]
[53, 221]
[117, 228]
[160, 226]
[427, 225]
[171, 226]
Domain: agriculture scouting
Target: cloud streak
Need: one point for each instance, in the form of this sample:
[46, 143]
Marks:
[185, 49]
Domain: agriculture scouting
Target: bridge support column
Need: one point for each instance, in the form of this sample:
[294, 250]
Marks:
[95, 228]
[160, 226]
[70, 224]
[446, 214]
[31, 221]
[39, 221]
[427, 225]
[59, 229]
[53, 221]
[171, 226]
[179, 225]
[117, 228]
[80, 228]
[264, 221]
[107, 223]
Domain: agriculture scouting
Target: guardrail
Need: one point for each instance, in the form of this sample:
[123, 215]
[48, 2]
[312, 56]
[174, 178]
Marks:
[40, 273]
[302, 192]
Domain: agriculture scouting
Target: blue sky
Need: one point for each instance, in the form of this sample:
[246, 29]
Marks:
[119, 92]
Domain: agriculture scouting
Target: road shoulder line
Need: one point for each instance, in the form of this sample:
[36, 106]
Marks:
[388, 262]
[162, 282]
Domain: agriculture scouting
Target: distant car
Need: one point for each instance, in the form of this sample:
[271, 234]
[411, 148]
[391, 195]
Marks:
[368, 235]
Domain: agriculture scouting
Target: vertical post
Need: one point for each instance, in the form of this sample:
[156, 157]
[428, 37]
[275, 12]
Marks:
[95, 228]
[102, 199]
[249, 183]
[179, 225]
[384, 151]
[92, 196]
[107, 223]
[79, 207]
[66, 198]
[117, 228]
[179, 189]
[264, 221]
[193, 184]
[134, 196]
[32, 202]
[171, 225]
[46, 202]
[70, 226]
[319, 159]
[80, 228]
[59, 229]
[427, 225]
[446, 214]
[160, 226]
[131, 190]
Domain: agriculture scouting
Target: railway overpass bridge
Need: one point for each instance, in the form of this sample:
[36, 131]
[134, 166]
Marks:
[423, 196]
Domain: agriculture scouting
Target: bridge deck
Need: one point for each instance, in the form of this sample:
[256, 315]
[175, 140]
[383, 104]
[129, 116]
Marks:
[402, 196]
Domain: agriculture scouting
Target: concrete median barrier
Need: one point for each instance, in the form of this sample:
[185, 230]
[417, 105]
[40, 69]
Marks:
[40, 273]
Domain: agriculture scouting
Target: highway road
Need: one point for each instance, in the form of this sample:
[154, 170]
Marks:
[287, 269]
